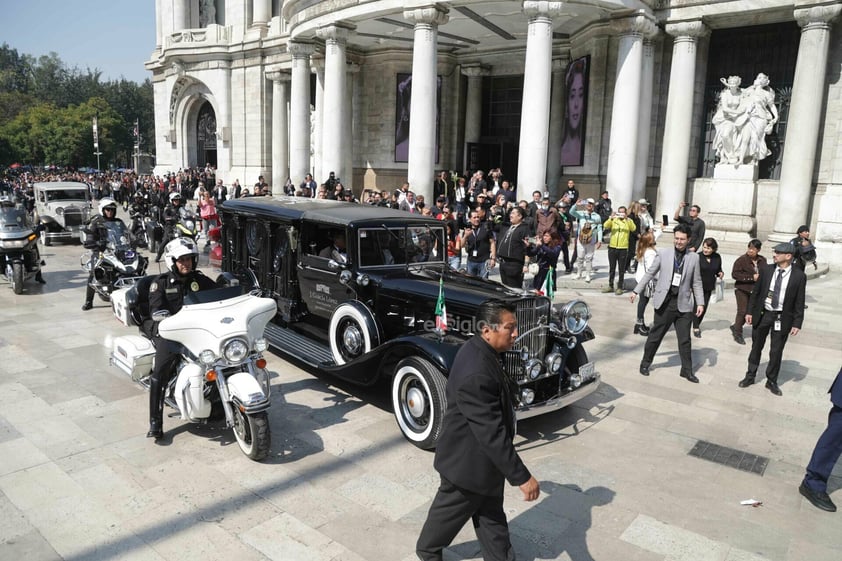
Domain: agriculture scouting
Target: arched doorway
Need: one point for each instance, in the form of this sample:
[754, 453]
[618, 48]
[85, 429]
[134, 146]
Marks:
[206, 136]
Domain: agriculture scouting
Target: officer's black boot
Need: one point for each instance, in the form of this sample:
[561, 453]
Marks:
[89, 299]
[156, 410]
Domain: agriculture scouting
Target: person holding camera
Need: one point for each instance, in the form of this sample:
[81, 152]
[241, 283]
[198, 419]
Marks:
[511, 249]
[696, 224]
[478, 241]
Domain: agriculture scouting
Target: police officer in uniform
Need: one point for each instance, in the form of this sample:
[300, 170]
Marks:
[172, 212]
[166, 296]
[96, 239]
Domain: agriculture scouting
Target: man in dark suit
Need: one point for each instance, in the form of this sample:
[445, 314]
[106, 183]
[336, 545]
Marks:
[511, 249]
[776, 306]
[826, 453]
[475, 453]
[677, 292]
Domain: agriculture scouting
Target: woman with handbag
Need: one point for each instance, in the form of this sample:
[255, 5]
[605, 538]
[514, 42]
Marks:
[645, 256]
[207, 211]
[710, 268]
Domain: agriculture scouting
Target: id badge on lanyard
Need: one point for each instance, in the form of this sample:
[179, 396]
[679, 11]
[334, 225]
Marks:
[676, 279]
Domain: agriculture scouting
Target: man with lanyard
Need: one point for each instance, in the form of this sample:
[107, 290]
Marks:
[511, 250]
[679, 284]
[776, 306]
[478, 241]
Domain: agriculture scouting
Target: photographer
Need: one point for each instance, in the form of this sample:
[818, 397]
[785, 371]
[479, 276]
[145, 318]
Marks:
[479, 243]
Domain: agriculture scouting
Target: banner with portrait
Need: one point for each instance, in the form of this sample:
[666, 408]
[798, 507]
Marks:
[403, 97]
[575, 111]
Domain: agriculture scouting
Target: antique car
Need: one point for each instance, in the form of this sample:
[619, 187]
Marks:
[62, 208]
[369, 312]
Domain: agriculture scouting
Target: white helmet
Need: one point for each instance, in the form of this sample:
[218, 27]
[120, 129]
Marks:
[175, 196]
[105, 203]
[180, 247]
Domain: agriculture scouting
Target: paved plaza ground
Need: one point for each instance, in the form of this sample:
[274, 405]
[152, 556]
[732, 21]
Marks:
[79, 480]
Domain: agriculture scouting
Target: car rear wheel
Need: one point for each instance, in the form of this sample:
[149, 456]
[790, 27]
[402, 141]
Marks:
[419, 401]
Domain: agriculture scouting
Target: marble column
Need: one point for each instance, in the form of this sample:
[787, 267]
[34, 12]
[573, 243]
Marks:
[537, 79]
[473, 104]
[261, 13]
[318, 68]
[556, 133]
[349, 133]
[675, 157]
[335, 111]
[280, 128]
[625, 112]
[805, 111]
[644, 129]
[422, 112]
[179, 15]
[159, 30]
[299, 111]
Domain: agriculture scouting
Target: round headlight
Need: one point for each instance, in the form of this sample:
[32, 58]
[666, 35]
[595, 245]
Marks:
[363, 280]
[554, 362]
[235, 350]
[260, 345]
[190, 225]
[534, 368]
[575, 380]
[574, 316]
[527, 396]
[207, 357]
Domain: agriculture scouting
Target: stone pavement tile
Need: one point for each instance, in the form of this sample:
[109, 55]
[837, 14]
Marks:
[38, 487]
[13, 523]
[381, 495]
[7, 431]
[283, 538]
[328, 470]
[373, 537]
[17, 359]
[806, 549]
[53, 388]
[115, 421]
[30, 546]
[20, 454]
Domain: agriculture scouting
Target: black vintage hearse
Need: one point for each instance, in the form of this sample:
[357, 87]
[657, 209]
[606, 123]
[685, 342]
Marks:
[369, 312]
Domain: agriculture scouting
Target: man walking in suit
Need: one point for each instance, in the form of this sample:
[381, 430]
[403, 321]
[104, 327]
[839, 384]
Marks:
[776, 306]
[475, 453]
[677, 291]
[826, 453]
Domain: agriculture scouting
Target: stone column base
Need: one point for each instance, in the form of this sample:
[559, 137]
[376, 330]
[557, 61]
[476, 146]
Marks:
[728, 208]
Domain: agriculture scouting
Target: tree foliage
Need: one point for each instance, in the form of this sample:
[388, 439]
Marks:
[47, 111]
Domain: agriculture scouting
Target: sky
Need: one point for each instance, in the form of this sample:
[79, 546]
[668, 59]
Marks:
[113, 36]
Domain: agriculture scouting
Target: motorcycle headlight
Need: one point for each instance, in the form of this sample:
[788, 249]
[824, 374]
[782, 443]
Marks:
[235, 350]
[14, 244]
[554, 362]
[534, 368]
[260, 345]
[190, 225]
[207, 357]
[573, 316]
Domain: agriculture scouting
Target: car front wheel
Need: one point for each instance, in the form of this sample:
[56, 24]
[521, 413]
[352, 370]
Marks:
[419, 401]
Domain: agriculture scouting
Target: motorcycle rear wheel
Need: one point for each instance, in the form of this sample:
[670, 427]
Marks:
[252, 433]
[17, 278]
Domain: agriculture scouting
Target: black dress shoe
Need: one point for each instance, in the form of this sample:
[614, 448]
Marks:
[157, 434]
[747, 381]
[690, 378]
[773, 387]
[819, 499]
[644, 369]
[738, 337]
[87, 306]
[40, 279]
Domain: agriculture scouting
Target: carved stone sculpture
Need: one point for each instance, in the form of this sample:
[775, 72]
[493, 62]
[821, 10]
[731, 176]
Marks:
[743, 119]
[207, 12]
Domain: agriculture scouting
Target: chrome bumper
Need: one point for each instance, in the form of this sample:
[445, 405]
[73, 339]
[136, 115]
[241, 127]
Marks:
[557, 403]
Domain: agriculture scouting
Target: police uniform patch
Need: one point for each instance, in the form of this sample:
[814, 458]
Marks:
[194, 286]
[153, 287]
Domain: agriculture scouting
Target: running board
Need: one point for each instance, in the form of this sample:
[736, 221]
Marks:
[301, 347]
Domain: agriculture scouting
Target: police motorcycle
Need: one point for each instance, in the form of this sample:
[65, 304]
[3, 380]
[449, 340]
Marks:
[222, 373]
[154, 230]
[117, 264]
[187, 225]
[138, 213]
[19, 257]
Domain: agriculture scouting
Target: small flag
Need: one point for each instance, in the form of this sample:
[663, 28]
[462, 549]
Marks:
[136, 130]
[441, 310]
[548, 288]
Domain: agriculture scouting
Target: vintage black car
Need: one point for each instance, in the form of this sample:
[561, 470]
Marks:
[369, 312]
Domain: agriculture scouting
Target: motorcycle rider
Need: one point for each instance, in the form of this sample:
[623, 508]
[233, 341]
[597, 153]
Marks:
[7, 202]
[137, 211]
[96, 239]
[166, 297]
[172, 212]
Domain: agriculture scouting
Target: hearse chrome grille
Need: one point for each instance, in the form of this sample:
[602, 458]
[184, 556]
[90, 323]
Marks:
[533, 315]
[73, 216]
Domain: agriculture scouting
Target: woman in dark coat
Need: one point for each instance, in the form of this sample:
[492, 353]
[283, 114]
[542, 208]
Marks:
[546, 253]
[710, 268]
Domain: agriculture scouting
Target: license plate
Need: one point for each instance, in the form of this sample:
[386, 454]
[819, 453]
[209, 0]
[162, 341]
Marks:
[587, 370]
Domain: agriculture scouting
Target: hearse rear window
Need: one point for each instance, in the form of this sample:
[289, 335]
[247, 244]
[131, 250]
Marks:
[386, 247]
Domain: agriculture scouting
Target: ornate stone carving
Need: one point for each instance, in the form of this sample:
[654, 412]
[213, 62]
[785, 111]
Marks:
[475, 69]
[817, 16]
[335, 33]
[433, 15]
[638, 24]
[542, 9]
[300, 50]
[278, 75]
[207, 12]
[691, 29]
[743, 119]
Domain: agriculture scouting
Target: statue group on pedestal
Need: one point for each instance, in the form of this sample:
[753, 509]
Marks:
[743, 119]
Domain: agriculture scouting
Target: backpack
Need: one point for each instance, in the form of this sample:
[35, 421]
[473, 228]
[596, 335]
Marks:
[586, 233]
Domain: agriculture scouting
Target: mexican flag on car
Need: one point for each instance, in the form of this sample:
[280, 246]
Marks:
[547, 289]
[441, 309]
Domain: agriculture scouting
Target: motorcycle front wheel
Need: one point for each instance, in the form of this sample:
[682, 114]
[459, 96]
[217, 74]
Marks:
[17, 278]
[252, 433]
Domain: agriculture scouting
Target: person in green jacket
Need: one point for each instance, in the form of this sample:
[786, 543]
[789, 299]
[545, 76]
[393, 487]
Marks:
[618, 248]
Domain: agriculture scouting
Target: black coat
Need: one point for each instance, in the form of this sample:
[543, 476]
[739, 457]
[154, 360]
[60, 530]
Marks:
[792, 314]
[475, 450]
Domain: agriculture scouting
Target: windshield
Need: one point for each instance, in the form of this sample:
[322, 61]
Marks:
[10, 216]
[213, 295]
[118, 234]
[67, 195]
[401, 246]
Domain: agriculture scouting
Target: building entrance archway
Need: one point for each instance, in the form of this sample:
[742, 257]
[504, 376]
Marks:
[206, 136]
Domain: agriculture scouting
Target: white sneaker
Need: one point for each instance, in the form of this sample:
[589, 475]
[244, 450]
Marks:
[588, 278]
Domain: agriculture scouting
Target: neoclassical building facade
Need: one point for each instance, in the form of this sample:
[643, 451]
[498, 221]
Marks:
[617, 95]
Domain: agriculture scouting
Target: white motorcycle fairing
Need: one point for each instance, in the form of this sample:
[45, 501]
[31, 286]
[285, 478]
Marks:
[209, 326]
[246, 391]
[189, 393]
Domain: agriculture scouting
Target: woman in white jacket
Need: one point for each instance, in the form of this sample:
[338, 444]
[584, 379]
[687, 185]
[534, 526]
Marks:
[645, 256]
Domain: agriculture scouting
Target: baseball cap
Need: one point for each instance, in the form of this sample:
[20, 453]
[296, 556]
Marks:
[643, 202]
[590, 201]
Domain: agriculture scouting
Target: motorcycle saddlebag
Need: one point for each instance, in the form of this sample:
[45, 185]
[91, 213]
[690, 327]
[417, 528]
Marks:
[133, 355]
[123, 301]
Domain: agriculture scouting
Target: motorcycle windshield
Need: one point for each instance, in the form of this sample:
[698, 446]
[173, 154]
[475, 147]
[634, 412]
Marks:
[213, 295]
[13, 221]
[118, 235]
